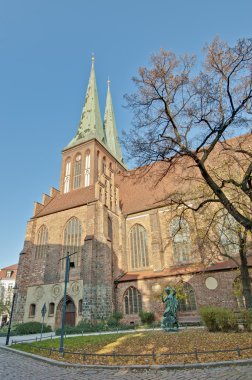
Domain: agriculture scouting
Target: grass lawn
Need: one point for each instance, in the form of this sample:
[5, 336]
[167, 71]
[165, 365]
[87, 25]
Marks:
[138, 343]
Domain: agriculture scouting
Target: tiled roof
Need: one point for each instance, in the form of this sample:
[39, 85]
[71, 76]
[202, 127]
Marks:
[142, 189]
[69, 200]
[228, 264]
[174, 271]
[180, 270]
[150, 186]
[12, 268]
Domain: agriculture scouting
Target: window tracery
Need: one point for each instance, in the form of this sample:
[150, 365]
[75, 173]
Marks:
[139, 247]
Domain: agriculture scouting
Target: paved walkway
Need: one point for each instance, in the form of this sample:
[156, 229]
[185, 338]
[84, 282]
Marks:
[14, 366]
[24, 337]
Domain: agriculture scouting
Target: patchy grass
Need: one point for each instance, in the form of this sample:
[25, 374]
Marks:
[139, 343]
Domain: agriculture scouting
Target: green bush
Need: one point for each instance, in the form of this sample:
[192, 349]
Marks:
[226, 320]
[86, 327]
[114, 319]
[30, 328]
[246, 315]
[218, 318]
[209, 318]
[147, 317]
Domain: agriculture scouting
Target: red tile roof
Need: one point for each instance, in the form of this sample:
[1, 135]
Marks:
[150, 186]
[180, 270]
[12, 268]
[69, 200]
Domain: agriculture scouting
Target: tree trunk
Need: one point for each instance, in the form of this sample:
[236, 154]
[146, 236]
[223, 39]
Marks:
[245, 279]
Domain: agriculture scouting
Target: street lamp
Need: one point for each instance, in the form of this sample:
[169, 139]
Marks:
[68, 266]
[11, 314]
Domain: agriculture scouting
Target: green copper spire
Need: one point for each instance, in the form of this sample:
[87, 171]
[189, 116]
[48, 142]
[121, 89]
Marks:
[110, 128]
[90, 123]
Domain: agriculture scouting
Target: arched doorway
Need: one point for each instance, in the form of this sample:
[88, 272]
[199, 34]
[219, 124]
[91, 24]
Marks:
[70, 312]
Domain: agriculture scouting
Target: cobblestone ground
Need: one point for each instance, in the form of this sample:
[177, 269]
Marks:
[17, 367]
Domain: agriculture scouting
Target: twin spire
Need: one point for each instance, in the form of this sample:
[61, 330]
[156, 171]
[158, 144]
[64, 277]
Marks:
[90, 125]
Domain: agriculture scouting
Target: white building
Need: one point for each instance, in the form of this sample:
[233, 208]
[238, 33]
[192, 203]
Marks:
[7, 282]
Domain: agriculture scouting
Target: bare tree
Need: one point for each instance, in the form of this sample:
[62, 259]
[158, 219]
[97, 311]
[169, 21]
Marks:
[179, 114]
[188, 119]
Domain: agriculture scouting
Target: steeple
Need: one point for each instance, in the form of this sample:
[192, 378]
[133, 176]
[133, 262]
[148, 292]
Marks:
[110, 128]
[90, 125]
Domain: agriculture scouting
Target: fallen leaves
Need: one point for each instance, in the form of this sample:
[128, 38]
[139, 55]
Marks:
[187, 346]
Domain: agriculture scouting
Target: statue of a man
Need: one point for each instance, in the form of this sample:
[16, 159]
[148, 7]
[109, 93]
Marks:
[169, 320]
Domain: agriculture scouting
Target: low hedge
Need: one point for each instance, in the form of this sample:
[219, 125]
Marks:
[219, 319]
[246, 315]
[147, 317]
[25, 328]
[31, 328]
[86, 327]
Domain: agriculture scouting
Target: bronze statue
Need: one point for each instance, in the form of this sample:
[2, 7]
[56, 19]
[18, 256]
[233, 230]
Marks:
[169, 321]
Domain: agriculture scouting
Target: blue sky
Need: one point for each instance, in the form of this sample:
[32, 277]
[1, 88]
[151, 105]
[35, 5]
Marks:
[45, 60]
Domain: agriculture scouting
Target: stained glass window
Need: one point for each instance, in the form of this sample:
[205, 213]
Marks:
[42, 240]
[72, 241]
[180, 233]
[188, 303]
[139, 247]
[132, 301]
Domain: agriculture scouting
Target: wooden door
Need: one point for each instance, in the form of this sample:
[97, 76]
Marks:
[70, 313]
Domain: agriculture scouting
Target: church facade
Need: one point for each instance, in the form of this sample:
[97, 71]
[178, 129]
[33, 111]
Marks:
[119, 235]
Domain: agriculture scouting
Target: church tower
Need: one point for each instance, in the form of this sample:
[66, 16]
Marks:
[83, 219]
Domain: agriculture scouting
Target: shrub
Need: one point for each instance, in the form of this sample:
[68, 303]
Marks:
[147, 317]
[218, 319]
[114, 319]
[226, 319]
[86, 327]
[30, 328]
[246, 315]
[209, 318]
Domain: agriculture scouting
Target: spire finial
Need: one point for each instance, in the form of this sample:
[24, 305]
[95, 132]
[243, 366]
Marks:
[108, 82]
[93, 58]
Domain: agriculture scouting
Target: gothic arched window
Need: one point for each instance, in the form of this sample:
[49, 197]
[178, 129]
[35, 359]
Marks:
[72, 240]
[138, 246]
[104, 165]
[228, 234]
[42, 240]
[132, 301]
[77, 172]
[110, 229]
[98, 163]
[181, 241]
[238, 293]
[67, 176]
[188, 303]
[87, 168]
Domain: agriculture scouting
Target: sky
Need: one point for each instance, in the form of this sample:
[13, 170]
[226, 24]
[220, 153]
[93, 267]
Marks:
[45, 60]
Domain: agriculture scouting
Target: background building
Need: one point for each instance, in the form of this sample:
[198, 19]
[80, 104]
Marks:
[122, 233]
[7, 282]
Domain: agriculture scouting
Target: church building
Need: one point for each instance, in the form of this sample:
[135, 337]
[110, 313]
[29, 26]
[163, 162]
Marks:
[120, 235]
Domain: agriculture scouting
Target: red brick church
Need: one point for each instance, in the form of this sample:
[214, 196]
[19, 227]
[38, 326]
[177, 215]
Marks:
[122, 233]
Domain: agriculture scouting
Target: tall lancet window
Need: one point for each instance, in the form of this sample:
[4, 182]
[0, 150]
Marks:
[72, 241]
[67, 176]
[180, 233]
[87, 169]
[77, 172]
[98, 163]
[104, 165]
[41, 246]
[139, 247]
